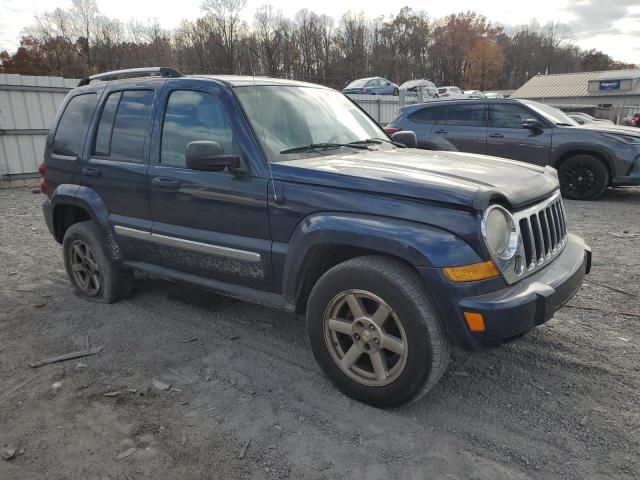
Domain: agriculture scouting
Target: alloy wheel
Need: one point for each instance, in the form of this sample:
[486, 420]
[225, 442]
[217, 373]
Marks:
[84, 268]
[580, 179]
[365, 337]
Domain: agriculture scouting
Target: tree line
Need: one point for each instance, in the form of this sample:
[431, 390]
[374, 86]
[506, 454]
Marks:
[463, 49]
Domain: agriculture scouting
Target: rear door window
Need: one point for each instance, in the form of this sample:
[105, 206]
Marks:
[73, 125]
[123, 125]
[469, 115]
[433, 115]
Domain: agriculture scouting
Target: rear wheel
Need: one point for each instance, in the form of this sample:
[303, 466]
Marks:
[583, 177]
[375, 332]
[94, 276]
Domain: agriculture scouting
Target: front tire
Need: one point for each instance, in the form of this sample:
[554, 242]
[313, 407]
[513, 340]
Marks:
[583, 177]
[93, 275]
[375, 332]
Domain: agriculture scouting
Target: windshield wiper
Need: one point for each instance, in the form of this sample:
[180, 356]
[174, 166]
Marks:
[378, 141]
[323, 146]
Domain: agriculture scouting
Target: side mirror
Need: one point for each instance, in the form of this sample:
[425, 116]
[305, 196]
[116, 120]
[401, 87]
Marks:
[210, 157]
[406, 137]
[532, 124]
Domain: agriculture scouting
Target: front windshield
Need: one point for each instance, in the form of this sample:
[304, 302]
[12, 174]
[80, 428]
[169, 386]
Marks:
[288, 117]
[552, 114]
[358, 83]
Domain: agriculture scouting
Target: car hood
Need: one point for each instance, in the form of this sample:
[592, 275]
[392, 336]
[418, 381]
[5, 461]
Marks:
[610, 128]
[464, 179]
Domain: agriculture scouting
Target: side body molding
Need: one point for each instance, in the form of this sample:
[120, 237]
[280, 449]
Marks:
[420, 245]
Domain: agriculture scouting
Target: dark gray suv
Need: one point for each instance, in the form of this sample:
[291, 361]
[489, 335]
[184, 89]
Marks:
[589, 158]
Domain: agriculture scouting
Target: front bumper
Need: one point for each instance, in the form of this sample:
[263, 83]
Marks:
[513, 310]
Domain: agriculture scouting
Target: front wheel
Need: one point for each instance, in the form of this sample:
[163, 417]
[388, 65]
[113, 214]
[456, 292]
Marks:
[375, 332]
[583, 177]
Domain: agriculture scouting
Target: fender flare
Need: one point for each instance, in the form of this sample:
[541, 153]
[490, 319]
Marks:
[418, 244]
[92, 203]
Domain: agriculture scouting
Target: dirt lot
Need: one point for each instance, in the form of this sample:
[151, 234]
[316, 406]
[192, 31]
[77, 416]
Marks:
[562, 402]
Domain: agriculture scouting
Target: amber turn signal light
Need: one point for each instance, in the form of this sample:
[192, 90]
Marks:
[475, 321]
[470, 273]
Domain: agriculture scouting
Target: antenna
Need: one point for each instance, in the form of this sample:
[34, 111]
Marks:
[253, 74]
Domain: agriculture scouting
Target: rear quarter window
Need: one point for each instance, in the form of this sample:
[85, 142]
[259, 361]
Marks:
[73, 125]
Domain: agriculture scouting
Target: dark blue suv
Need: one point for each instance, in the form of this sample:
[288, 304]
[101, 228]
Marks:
[287, 194]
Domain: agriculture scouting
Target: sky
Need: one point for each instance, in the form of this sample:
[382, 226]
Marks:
[610, 26]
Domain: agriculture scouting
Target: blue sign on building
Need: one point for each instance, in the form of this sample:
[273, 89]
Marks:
[609, 85]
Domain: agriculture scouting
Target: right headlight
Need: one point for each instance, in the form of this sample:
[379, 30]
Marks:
[500, 232]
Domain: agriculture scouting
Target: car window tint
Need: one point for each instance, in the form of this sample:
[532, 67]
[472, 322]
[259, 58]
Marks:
[433, 115]
[508, 116]
[130, 125]
[105, 125]
[442, 90]
[192, 116]
[468, 115]
[73, 125]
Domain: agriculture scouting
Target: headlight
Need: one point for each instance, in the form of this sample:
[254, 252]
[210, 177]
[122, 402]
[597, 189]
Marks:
[628, 139]
[500, 232]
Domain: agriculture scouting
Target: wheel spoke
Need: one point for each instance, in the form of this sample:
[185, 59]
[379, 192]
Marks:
[85, 281]
[392, 343]
[78, 251]
[77, 267]
[340, 326]
[382, 313]
[351, 356]
[95, 280]
[355, 306]
[379, 367]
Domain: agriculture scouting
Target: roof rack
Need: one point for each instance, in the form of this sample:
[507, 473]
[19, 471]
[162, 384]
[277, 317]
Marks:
[162, 71]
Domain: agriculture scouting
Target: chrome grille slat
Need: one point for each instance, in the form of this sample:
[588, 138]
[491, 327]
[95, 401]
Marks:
[544, 232]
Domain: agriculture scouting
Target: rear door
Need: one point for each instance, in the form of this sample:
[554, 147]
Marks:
[210, 224]
[116, 164]
[506, 138]
[466, 127]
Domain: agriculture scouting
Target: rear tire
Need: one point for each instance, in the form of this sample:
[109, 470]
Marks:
[583, 177]
[93, 275]
[394, 348]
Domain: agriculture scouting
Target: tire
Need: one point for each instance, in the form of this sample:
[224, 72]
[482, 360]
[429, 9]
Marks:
[396, 92]
[583, 177]
[373, 282]
[436, 96]
[93, 275]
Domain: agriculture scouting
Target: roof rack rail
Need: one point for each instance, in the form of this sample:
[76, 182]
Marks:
[163, 71]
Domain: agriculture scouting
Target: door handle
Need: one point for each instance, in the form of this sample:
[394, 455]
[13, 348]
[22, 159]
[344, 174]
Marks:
[91, 172]
[496, 135]
[166, 183]
[440, 131]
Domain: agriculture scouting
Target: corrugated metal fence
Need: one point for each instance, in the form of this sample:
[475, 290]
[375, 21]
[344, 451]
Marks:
[383, 108]
[28, 106]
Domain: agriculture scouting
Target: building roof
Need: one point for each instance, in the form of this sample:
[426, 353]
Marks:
[562, 85]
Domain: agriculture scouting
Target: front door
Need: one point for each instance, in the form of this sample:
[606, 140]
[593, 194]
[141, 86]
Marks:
[210, 224]
[506, 138]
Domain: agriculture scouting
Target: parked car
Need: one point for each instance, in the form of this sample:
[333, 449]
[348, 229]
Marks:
[583, 118]
[427, 87]
[450, 92]
[634, 120]
[589, 158]
[493, 95]
[474, 94]
[287, 194]
[372, 86]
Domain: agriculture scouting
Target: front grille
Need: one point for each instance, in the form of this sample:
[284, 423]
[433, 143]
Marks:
[543, 229]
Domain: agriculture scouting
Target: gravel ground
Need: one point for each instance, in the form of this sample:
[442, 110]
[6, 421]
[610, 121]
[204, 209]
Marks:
[562, 402]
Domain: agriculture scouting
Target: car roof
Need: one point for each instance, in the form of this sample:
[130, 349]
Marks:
[230, 81]
[461, 101]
